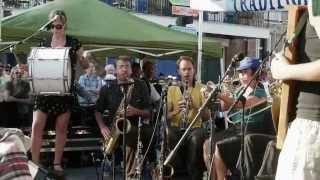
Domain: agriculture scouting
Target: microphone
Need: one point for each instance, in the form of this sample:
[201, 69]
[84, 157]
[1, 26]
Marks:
[126, 83]
[45, 26]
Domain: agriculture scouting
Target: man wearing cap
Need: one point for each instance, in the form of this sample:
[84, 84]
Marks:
[228, 141]
[300, 156]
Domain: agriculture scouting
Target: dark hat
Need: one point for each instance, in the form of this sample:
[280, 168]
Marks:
[248, 63]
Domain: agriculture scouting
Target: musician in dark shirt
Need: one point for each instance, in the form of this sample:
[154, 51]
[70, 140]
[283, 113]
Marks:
[138, 106]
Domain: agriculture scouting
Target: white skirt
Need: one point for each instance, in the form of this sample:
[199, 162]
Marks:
[300, 155]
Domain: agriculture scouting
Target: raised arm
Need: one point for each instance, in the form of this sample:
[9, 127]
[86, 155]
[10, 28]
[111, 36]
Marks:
[281, 69]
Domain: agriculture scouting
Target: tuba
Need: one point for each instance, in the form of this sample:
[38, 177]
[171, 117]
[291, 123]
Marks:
[111, 143]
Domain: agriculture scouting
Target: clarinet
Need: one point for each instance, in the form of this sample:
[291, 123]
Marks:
[185, 111]
[139, 155]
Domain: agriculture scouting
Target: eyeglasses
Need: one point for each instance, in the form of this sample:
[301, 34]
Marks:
[57, 26]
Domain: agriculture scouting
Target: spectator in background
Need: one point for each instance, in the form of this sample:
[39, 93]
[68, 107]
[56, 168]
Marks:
[110, 74]
[18, 87]
[149, 78]
[18, 96]
[4, 114]
[91, 84]
[136, 70]
[3, 80]
[6, 72]
[21, 70]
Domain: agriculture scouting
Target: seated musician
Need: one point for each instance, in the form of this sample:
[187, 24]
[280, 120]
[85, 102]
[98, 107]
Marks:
[228, 145]
[56, 106]
[109, 102]
[190, 153]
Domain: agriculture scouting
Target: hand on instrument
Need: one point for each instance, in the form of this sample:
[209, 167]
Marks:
[176, 111]
[105, 131]
[279, 65]
[182, 105]
[132, 111]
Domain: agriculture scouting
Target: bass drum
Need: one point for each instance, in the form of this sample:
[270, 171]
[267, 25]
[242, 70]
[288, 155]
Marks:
[49, 71]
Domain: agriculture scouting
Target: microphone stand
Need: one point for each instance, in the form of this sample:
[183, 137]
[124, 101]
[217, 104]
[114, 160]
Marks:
[12, 46]
[163, 127]
[214, 110]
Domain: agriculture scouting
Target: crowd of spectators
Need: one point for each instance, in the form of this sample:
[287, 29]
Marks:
[15, 102]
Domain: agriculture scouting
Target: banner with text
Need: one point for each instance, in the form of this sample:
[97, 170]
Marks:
[244, 5]
[184, 11]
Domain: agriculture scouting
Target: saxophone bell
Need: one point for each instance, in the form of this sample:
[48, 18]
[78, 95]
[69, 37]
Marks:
[120, 123]
[167, 171]
[163, 172]
[112, 142]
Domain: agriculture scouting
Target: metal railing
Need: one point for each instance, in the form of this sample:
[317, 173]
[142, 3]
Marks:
[257, 19]
[23, 4]
[156, 7]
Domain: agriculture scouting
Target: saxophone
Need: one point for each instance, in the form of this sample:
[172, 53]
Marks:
[111, 143]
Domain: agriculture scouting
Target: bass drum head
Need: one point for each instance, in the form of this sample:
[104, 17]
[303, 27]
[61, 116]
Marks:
[50, 71]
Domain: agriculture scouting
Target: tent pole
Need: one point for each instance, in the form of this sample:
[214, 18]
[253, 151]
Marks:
[1, 16]
[200, 34]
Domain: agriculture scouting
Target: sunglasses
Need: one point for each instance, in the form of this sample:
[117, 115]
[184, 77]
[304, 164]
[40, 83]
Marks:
[57, 26]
